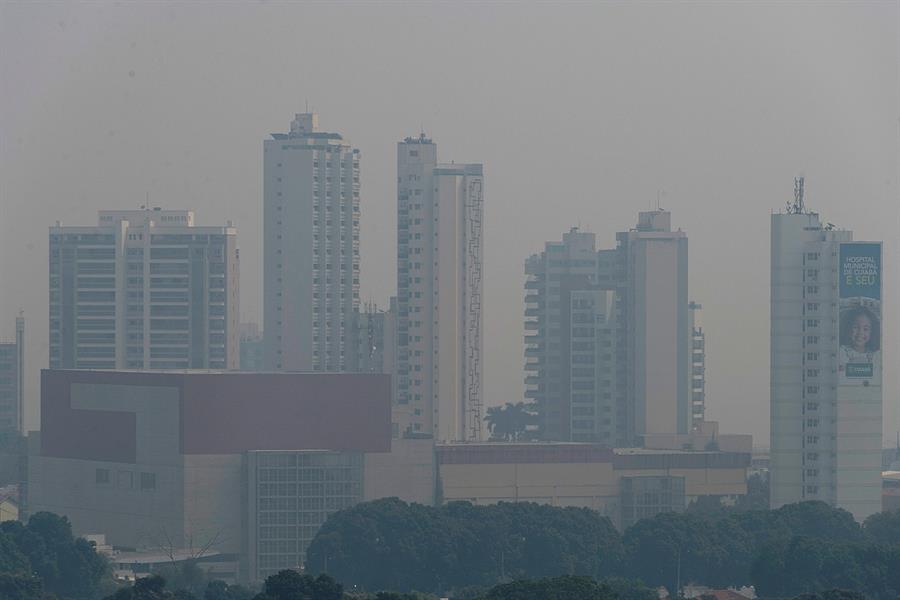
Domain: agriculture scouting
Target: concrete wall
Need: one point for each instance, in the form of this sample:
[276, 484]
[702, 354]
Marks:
[126, 514]
[407, 472]
[213, 493]
[579, 475]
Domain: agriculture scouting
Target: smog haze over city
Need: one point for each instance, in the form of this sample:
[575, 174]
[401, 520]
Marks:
[582, 115]
[389, 300]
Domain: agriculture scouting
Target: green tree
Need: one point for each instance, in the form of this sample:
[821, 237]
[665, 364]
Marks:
[291, 585]
[883, 527]
[388, 544]
[184, 575]
[20, 586]
[511, 421]
[832, 595]
[11, 558]
[69, 567]
[219, 590]
[566, 587]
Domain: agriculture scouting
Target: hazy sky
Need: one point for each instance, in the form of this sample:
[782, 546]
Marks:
[582, 114]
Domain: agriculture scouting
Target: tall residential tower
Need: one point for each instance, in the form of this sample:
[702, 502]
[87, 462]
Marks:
[826, 364]
[608, 342]
[311, 249]
[439, 277]
[12, 380]
[144, 289]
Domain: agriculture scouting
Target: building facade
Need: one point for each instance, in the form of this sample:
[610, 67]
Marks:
[655, 311]
[12, 381]
[246, 465]
[551, 279]
[251, 347]
[144, 289]
[439, 294]
[624, 484]
[826, 365]
[377, 333]
[608, 344]
[697, 373]
[311, 249]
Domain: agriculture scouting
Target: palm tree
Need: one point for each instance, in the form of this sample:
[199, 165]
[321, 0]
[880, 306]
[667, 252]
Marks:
[510, 422]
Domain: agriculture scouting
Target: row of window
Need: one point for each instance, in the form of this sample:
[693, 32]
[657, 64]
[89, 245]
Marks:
[125, 480]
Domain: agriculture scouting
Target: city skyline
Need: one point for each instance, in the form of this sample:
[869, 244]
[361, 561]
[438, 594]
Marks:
[619, 165]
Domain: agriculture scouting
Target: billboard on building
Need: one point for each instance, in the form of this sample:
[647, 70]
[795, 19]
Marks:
[859, 355]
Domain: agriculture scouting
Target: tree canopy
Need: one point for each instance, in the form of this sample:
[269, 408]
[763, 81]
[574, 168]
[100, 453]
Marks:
[45, 549]
[388, 544]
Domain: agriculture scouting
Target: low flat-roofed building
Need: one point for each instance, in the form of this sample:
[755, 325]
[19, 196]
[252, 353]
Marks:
[617, 483]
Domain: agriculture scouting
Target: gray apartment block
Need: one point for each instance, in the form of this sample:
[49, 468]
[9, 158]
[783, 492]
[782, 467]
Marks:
[12, 381]
[144, 289]
[607, 336]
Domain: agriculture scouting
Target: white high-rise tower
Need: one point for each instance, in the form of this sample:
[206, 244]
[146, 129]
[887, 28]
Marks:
[439, 273]
[311, 249]
[826, 396]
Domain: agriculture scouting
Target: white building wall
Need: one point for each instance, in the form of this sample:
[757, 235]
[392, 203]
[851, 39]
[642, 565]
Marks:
[311, 249]
[825, 434]
[658, 325]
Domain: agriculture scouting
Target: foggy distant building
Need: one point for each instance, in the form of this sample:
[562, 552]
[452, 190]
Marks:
[12, 380]
[144, 289]
[377, 339]
[608, 343]
[439, 273]
[251, 342]
[826, 364]
[698, 366]
[552, 277]
[655, 309]
[187, 460]
[311, 249]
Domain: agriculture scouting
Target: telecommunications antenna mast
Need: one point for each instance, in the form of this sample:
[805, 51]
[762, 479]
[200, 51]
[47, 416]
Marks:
[798, 207]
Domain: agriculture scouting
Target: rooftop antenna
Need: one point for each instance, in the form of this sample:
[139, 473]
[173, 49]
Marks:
[307, 105]
[798, 207]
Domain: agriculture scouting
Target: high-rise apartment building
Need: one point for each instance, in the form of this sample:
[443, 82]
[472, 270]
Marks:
[12, 381]
[655, 309]
[439, 273]
[311, 249]
[826, 365]
[144, 289]
[552, 338]
[698, 366]
[608, 342]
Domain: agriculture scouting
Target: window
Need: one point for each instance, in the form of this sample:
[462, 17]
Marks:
[126, 480]
[102, 476]
[148, 481]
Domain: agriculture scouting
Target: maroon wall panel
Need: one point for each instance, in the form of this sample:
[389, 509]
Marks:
[227, 413]
[89, 434]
